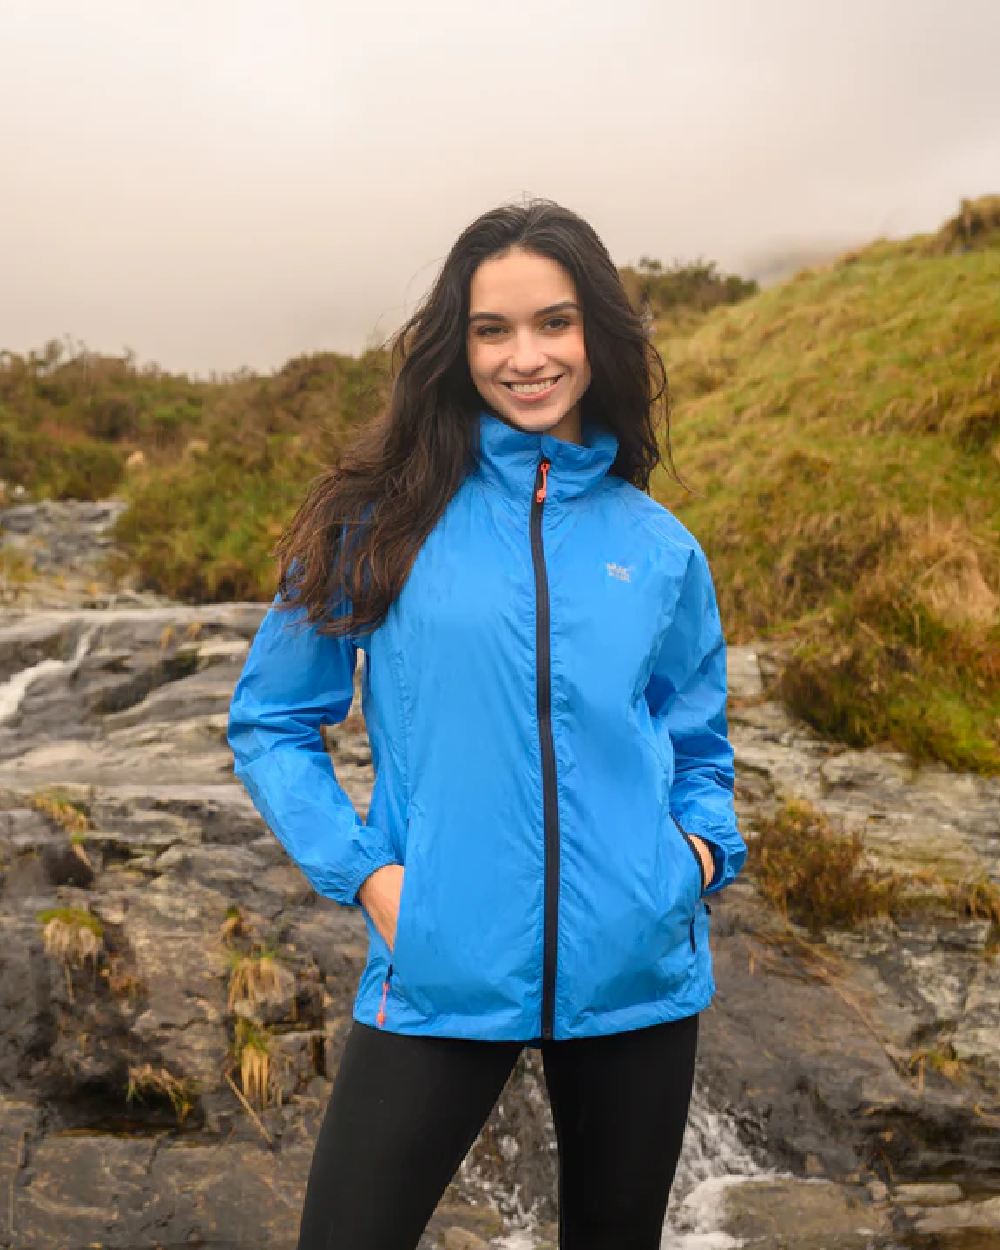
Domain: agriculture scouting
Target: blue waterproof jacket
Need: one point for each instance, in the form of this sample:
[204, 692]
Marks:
[545, 702]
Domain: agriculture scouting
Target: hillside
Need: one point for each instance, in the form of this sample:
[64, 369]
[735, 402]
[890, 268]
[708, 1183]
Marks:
[843, 432]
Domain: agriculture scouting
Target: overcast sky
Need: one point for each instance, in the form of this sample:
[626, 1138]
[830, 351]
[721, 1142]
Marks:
[217, 183]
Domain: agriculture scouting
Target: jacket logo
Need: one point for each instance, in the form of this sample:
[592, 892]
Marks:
[622, 571]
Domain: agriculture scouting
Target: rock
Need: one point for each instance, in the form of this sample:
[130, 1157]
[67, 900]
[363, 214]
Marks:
[461, 1239]
[978, 1216]
[81, 1187]
[815, 1213]
[927, 1194]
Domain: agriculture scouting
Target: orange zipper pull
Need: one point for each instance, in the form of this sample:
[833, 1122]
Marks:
[541, 492]
[380, 1018]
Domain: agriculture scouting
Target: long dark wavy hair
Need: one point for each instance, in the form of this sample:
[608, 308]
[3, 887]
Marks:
[355, 536]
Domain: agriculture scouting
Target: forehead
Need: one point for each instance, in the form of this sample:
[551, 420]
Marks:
[519, 283]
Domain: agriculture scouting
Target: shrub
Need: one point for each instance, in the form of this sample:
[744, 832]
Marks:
[815, 875]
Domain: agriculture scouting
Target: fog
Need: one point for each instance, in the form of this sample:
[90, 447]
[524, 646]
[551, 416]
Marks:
[230, 184]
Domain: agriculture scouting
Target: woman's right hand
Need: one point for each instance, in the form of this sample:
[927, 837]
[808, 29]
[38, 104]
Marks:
[379, 896]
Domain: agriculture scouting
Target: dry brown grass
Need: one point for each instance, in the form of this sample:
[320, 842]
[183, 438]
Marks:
[146, 1080]
[820, 878]
[234, 927]
[255, 979]
[68, 812]
[815, 875]
[74, 938]
[252, 1052]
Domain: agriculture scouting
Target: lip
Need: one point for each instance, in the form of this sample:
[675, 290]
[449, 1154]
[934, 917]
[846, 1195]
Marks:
[539, 397]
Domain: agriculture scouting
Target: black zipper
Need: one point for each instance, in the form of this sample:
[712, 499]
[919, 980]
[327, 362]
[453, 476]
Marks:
[550, 807]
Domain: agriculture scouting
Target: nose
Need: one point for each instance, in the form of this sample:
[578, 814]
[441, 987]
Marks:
[526, 354]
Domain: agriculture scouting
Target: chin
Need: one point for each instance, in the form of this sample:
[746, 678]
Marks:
[533, 422]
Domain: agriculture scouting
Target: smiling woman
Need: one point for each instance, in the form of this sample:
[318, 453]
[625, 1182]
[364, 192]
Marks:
[544, 686]
[530, 354]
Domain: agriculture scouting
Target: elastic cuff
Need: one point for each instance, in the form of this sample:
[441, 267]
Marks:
[372, 863]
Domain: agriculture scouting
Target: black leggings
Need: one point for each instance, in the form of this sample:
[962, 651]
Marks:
[404, 1112]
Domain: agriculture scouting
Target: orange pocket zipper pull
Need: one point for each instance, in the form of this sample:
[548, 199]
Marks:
[380, 1018]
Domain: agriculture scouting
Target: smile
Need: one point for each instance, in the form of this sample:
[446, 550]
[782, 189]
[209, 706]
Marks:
[533, 388]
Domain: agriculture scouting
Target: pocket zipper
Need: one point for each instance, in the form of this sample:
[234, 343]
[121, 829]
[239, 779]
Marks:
[708, 909]
[380, 1017]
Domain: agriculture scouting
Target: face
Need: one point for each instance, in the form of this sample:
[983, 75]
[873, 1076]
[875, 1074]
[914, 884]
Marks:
[525, 345]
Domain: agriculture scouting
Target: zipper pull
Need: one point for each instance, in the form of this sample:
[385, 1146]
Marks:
[380, 1018]
[541, 492]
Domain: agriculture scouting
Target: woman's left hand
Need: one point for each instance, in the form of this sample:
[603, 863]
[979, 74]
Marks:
[705, 855]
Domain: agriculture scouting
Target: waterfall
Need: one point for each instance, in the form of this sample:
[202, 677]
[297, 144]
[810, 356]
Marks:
[712, 1158]
[13, 690]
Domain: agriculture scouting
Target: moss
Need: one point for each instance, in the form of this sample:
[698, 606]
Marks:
[72, 917]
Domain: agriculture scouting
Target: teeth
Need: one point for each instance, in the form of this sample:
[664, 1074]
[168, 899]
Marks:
[531, 388]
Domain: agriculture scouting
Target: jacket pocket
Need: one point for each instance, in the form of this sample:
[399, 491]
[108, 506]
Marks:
[391, 983]
[702, 882]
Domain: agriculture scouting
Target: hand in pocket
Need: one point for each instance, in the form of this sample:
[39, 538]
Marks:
[705, 855]
[379, 896]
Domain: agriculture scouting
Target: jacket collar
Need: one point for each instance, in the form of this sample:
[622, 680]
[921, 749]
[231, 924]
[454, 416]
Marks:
[508, 458]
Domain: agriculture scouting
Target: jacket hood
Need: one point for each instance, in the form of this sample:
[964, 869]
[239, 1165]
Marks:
[508, 458]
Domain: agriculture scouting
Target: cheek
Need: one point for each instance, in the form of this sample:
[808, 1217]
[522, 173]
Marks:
[479, 359]
[578, 348]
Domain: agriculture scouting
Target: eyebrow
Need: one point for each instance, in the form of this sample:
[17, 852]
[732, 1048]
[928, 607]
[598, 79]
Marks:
[542, 312]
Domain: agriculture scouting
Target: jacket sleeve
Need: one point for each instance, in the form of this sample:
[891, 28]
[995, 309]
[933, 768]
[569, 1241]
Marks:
[686, 695]
[295, 679]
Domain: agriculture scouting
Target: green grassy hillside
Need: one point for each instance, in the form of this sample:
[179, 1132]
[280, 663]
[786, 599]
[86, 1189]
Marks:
[843, 433]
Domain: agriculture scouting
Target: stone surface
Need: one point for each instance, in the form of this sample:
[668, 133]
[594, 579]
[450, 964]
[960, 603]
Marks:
[975, 1216]
[927, 1194]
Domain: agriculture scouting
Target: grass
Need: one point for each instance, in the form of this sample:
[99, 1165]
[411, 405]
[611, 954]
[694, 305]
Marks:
[68, 812]
[72, 936]
[815, 875]
[145, 1081]
[256, 978]
[16, 567]
[821, 878]
[843, 432]
[252, 1053]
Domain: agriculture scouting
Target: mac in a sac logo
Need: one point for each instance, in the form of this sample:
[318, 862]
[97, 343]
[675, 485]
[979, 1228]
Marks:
[622, 571]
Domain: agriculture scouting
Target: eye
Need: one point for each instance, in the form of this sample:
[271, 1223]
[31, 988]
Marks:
[559, 322]
[486, 332]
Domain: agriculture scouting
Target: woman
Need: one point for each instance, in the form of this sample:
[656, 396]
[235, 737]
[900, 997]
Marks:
[544, 687]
